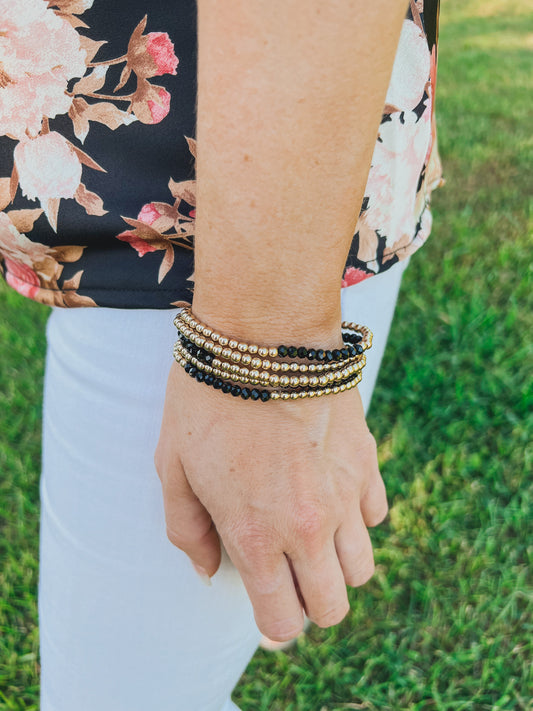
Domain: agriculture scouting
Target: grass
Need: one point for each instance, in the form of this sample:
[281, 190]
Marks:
[446, 622]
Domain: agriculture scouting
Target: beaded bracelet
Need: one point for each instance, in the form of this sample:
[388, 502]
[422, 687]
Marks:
[263, 395]
[233, 372]
[221, 361]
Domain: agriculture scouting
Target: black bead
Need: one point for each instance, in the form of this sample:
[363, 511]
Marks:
[226, 387]
[200, 375]
[265, 395]
[188, 367]
[209, 379]
[201, 354]
[193, 371]
[352, 350]
[245, 393]
[302, 352]
[208, 358]
[283, 351]
[218, 383]
[329, 356]
[292, 351]
[311, 353]
[345, 353]
[359, 348]
[320, 354]
[235, 390]
[255, 394]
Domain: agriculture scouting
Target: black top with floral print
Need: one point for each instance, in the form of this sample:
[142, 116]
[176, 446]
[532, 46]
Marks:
[97, 148]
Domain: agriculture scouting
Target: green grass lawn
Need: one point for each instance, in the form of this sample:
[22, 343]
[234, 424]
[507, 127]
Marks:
[446, 621]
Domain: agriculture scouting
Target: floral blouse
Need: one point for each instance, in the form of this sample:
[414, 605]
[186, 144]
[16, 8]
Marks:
[97, 150]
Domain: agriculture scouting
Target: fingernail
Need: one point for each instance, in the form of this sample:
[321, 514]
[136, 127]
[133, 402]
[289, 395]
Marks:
[202, 572]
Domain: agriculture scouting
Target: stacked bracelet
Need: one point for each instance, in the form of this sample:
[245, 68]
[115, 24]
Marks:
[222, 361]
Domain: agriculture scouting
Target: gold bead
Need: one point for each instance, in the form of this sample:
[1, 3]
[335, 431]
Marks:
[312, 368]
[342, 387]
[243, 347]
[330, 377]
[235, 356]
[216, 362]
[284, 367]
[254, 374]
[311, 393]
[235, 369]
[253, 348]
[284, 396]
[215, 336]
[294, 366]
[274, 396]
[223, 341]
[263, 352]
[207, 331]
[284, 380]
[274, 380]
[226, 353]
[304, 380]
[313, 381]
[244, 372]
[233, 343]
[336, 389]
[303, 368]
[294, 381]
[209, 346]
[323, 380]
[217, 372]
[276, 367]
[273, 352]
[294, 396]
[246, 359]
[320, 367]
[199, 327]
[266, 365]
[264, 378]
[256, 362]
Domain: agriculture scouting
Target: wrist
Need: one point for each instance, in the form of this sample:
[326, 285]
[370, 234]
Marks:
[259, 321]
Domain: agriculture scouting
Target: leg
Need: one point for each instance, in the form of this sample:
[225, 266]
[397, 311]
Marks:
[125, 622]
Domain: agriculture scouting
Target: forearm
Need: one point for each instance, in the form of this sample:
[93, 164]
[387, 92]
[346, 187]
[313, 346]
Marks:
[290, 97]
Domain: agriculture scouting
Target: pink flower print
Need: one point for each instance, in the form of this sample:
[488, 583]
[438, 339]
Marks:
[140, 245]
[352, 275]
[40, 52]
[411, 69]
[47, 167]
[158, 110]
[150, 103]
[21, 278]
[152, 54]
[394, 173]
[148, 214]
[161, 49]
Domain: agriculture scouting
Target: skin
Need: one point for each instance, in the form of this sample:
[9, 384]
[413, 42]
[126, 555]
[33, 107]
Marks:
[290, 97]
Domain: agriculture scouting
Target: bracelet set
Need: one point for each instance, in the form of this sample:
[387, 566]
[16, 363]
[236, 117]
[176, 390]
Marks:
[222, 362]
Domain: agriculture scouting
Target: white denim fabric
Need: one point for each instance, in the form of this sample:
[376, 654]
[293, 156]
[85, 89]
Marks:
[125, 622]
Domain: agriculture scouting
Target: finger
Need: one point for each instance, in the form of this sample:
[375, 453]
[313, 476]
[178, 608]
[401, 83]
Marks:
[189, 525]
[322, 585]
[354, 551]
[268, 581]
[374, 506]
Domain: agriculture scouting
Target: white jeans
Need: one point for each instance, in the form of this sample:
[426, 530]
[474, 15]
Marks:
[125, 622]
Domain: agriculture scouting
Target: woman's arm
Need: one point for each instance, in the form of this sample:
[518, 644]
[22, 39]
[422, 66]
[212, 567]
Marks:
[290, 97]
[290, 100]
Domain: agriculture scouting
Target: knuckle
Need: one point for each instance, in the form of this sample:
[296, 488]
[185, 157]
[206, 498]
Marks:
[282, 630]
[309, 522]
[176, 538]
[332, 616]
[361, 574]
[252, 541]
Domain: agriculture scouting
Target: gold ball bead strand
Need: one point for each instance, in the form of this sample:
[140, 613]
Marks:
[246, 358]
[255, 377]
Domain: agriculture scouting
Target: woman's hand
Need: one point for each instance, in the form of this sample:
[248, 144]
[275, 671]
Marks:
[290, 487]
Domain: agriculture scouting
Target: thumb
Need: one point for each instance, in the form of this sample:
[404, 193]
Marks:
[188, 523]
